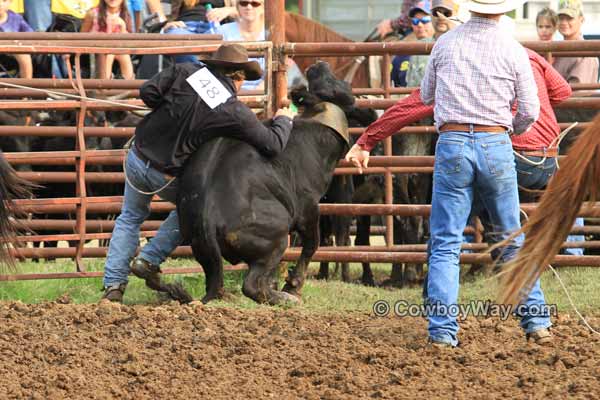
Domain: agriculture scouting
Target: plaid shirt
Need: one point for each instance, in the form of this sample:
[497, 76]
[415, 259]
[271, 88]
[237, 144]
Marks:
[551, 87]
[475, 73]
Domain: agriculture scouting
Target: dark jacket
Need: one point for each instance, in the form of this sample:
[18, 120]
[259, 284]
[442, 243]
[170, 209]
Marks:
[180, 121]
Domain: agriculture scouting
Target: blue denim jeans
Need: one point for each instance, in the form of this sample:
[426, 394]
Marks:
[471, 165]
[136, 208]
[191, 27]
[536, 177]
[38, 14]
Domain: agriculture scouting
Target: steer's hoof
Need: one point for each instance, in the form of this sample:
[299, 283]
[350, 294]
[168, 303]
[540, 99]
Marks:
[287, 298]
[176, 291]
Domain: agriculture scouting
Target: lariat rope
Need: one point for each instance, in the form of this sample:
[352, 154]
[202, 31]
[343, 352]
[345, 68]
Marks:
[75, 96]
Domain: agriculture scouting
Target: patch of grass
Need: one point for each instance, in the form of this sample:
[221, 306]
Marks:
[583, 284]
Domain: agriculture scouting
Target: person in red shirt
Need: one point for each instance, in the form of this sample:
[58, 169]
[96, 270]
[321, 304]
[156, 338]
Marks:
[536, 146]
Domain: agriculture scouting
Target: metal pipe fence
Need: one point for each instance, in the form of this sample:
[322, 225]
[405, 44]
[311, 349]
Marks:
[84, 228]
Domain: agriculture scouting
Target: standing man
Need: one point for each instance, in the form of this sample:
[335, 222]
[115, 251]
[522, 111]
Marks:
[191, 104]
[474, 94]
[574, 69]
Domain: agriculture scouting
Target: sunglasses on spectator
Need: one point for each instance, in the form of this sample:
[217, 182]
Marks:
[254, 4]
[425, 20]
[444, 12]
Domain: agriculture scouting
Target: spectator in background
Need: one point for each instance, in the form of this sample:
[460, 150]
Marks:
[111, 16]
[250, 27]
[135, 8]
[195, 16]
[401, 24]
[13, 22]
[574, 69]
[401, 64]
[439, 10]
[154, 6]
[38, 14]
[420, 17]
[546, 23]
[74, 8]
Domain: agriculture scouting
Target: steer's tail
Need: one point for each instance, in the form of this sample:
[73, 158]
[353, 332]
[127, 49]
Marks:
[577, 180]
[11, 187]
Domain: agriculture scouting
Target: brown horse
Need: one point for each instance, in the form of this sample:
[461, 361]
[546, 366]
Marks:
[299, 29]
[11, 187]
[576, 181]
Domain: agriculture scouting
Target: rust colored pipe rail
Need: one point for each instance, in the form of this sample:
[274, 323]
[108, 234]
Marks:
[414, 48]
[95, 37]
[254, 101]
[125, 132]
[289, 255]
[92, 225]
[95, 205]
[577, 102]
[89, 48]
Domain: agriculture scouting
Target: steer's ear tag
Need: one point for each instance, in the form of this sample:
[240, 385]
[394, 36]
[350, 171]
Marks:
[208, 87]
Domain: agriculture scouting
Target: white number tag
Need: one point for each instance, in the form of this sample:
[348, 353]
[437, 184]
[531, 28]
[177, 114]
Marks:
[208, 87]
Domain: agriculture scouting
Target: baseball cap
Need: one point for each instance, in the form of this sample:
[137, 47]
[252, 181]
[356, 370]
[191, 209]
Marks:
[423, 6]
[447, 4]
[572, 8]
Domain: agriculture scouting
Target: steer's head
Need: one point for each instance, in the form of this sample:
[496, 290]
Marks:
[323, 90]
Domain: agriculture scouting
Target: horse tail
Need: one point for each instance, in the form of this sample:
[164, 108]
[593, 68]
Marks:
[11, 187]
[547, 228]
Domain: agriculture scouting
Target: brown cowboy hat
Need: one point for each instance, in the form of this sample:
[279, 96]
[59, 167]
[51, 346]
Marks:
[235, 55]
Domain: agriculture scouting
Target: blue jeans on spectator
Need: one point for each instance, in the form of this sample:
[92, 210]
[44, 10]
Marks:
[136, 208]
[38, 14]
[471, 165]
[536, 177]
[191, 27]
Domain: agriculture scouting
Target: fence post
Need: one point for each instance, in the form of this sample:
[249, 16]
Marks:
[80, 192]
[275, 21]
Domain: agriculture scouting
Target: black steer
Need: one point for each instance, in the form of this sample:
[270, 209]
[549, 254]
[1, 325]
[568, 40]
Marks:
[235, 204]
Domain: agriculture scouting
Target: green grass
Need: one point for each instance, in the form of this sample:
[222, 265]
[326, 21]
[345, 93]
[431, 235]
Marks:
[318, 296]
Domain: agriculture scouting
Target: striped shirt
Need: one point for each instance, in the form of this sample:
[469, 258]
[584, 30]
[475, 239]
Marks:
[475, 73]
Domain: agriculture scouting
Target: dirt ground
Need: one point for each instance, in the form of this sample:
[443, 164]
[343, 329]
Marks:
[106, 351]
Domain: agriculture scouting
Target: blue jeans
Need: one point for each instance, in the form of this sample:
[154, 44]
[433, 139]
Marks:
[471, 165]
[38, 14]
[191, 27]
[536, 177]
[136, 208]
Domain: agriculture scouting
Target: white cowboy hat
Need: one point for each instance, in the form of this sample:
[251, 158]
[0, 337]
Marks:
[493, 6]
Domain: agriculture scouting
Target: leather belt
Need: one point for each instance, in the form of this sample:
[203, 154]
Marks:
[148, 161]
[475, 128]
[548, 153]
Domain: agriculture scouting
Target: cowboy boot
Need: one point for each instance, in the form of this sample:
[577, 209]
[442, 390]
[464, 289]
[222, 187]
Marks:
[114, 292]
[146, 271]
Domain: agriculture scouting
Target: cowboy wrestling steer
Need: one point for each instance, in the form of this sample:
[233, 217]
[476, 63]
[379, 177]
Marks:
[235, 204]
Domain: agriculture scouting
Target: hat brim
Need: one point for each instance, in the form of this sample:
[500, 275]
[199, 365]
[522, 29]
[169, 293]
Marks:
[445, 7]
[252, 68]
[415, 10]
[493, 9]
[568, 11]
